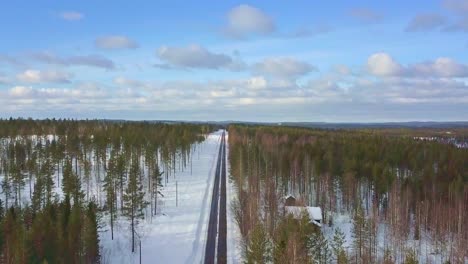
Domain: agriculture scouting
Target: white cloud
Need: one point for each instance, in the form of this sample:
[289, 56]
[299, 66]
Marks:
[257, 83]
[195, 56]
[122, 81]
[283, 67]
[21, 91]
[244, 20]
[366, 15]
[81, 60]
[264, 97]
[83, 91]
[71, 15]
[425, 22]
[48, 76]
[440, 67]
[115, 42]
[341, 69]
[382, 64]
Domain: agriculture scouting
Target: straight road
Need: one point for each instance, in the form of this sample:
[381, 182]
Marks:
[216, 249]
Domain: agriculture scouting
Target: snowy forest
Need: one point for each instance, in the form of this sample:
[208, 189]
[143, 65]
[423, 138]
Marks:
[64, 182]
[385, 197]
[72, 191]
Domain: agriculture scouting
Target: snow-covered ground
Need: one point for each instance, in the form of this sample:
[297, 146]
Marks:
[425, 250]
[178, 233]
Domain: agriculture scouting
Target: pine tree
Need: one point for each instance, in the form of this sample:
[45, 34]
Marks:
[2, 214]
[46, 172]
[359, 233]
[90, 237]
[42, 238]
[134, 202]
[156, 185]
[87, 174]
[31, 166]
[258, 247]
[65, 216]
[121, 170]
[2, 210]
[17, 182]
[74, 234]
[38, 195]
[337, 246]
[13, 235]
[71, 183]
[319, 249]
[6, 185]
[411, 258]
[110, 185]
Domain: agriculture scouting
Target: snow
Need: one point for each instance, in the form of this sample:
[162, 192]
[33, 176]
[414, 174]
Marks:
[178, 233]
[315, 213]
[425, 249]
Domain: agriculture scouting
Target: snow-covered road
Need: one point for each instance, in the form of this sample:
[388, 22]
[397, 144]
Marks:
[178, 233]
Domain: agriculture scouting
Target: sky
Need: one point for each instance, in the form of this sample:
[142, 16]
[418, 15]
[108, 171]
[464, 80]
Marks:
[271, 61]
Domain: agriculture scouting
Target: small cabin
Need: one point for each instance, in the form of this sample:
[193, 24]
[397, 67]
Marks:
[315, 213]
[289, 200]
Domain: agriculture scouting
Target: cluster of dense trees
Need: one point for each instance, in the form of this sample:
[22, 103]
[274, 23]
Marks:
[405, 189]
[293, 241]
[58, 177]
[60, 232]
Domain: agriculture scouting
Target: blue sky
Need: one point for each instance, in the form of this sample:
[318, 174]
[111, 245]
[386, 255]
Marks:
[334, 61]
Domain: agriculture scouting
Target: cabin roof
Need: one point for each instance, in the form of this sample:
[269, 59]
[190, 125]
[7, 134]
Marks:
[315, 213]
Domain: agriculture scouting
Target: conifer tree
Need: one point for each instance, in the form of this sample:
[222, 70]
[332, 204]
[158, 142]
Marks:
[410, 257]
[71, 183]
[110, 186]
[90, 237]
[13, 233]
[2, 210]
[38, 199]
[17, 182]
[2, 214]
[359, 233]
[258, 247]
[74, 234]
[319, 248]
[337, 246]
[46, 172]
[134, 202]
[121, 170]
[156, 185]
[6, 184]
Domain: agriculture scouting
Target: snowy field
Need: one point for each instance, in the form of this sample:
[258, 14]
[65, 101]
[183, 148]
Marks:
[178, 233]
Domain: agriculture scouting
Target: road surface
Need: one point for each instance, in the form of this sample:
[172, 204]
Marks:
[216, 247]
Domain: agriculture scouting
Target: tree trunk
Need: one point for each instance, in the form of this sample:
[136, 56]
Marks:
[133, 231]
